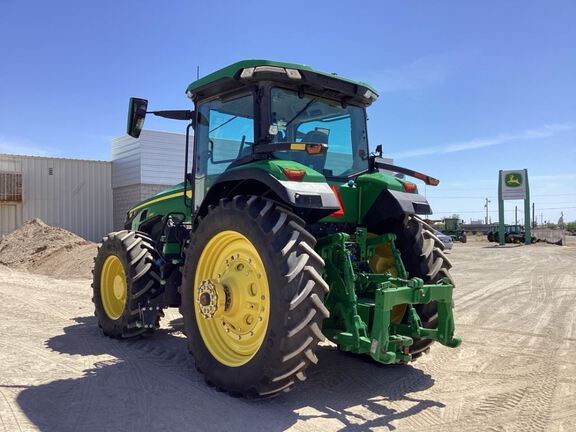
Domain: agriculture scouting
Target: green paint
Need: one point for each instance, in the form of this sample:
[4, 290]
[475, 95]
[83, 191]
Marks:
[454, 228]
[360, 197]
[232, 71]
[513, 180]
[361, 303]
[169, 200]
[276, 167]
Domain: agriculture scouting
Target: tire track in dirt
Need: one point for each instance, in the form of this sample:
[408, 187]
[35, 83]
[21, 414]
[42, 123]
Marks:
[495, 407]
[533, 401]
[8, 417]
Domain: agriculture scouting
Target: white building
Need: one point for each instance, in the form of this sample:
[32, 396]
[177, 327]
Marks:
[145, 166]
[68, 193]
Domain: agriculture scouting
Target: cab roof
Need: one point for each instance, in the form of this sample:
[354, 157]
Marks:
[243, 71]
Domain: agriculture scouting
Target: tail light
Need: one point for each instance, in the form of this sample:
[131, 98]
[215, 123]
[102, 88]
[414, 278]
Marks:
[294, 175]
[410, 187]
[340, 212]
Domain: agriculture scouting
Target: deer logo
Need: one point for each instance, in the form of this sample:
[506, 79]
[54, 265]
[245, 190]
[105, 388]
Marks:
[513, 180]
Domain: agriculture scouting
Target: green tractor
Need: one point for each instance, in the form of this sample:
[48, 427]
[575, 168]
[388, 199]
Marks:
[284, 232]
[454, 227]
[512, 234]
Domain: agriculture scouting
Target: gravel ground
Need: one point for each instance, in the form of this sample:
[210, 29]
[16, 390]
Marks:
[515, 371]
[47, 250]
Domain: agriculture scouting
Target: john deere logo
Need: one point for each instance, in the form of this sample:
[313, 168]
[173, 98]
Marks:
[513, 180]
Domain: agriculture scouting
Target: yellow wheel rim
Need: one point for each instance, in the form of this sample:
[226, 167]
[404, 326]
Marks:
[231, 298]
[384, 261]
[113, 287]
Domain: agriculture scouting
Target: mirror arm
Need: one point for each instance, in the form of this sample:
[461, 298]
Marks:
[174, 114]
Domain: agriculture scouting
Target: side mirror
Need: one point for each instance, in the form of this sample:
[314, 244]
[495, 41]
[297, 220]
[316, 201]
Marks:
[379, 150]
[136, 114]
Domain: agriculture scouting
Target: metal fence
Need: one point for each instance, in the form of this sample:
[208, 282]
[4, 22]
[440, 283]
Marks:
[549, 235]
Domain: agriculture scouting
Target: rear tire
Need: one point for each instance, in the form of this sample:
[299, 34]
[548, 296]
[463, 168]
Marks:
[293, 312]
[423, 257]
[124, 279]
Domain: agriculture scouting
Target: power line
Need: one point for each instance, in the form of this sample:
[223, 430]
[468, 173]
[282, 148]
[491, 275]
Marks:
[496, 211]
[562, 194]
[493, 197]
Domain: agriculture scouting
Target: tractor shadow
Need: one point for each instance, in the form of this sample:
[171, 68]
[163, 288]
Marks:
[151, 384]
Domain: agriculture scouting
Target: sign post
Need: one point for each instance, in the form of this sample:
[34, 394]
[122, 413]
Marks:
[513, 185]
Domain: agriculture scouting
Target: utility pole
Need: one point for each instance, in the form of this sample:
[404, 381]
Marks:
[533, 216]
[515, 215]
[486, 207]
[541, 218]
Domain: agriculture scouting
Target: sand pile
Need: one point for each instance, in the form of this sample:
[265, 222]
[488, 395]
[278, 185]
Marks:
[43, 249]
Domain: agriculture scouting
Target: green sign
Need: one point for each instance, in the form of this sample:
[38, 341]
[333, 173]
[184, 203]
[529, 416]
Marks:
[513, 179]
[513, 185]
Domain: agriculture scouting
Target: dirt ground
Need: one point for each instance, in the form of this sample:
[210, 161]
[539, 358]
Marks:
[47, 250]
[515, 371]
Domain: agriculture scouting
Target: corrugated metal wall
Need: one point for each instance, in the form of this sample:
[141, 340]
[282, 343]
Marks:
[125, 161]
[154, 158]
[68, 193]
[163, 157]
[8, 217]
[145, 166]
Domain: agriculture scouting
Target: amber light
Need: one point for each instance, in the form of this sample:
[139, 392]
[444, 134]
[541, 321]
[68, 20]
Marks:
[340, 212]
[410, 187]
[294, 175]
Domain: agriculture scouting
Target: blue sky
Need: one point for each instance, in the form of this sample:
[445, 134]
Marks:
[466, 88]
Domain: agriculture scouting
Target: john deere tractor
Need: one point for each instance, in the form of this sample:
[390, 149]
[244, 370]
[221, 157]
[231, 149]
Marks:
[284, 231]
[454, 227]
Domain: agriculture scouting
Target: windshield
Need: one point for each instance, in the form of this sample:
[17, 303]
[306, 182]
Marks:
[313, 119]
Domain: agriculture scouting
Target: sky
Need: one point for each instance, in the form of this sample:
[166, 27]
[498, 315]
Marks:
[466, 87]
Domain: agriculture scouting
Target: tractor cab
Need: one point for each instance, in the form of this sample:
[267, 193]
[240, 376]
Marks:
[260, 110]
[514, 229]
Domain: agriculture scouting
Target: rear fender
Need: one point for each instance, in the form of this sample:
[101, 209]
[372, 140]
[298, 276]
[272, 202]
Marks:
[392, 204]
[309, 200]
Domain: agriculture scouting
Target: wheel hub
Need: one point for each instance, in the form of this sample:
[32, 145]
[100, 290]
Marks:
[211, 298]
[232, 298]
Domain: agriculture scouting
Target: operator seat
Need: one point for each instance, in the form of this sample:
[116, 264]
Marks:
[317, 162]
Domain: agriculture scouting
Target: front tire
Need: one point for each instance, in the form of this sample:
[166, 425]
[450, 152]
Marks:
[252, 297]
[125, 278]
